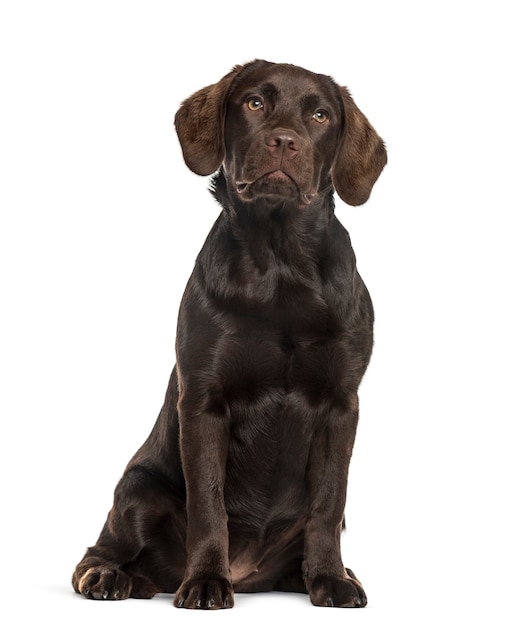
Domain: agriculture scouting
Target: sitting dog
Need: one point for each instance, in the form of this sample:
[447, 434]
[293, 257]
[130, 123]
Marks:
[241, 485]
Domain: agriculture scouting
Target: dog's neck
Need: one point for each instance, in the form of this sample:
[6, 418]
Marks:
[275, 226]
[261, 253]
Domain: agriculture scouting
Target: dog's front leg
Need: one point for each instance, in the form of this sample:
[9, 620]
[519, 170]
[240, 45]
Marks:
[328, 582]
[204, 443]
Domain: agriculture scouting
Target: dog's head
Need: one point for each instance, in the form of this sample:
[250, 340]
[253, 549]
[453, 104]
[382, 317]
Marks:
[281, 131]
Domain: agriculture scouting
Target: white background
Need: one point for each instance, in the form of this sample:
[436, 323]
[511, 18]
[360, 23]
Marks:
[100, 225]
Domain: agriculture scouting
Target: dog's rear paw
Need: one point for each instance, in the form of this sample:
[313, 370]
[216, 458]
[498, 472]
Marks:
[341, 592]
[104, 583]
[205, 594]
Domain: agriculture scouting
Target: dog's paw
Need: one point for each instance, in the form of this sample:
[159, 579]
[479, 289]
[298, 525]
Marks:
[335, 591]
[105, 583]
[205, 594]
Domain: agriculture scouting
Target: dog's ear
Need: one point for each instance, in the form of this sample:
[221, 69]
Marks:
[361, 156]
[199, 123]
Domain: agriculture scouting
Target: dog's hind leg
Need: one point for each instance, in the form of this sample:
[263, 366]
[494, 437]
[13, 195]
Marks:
[101, 574]
[141, 545]
[141, 549]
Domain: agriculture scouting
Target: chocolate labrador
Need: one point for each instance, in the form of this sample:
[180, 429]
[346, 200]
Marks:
[241, 485]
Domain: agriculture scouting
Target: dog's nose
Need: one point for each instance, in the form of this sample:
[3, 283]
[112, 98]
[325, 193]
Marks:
[283, 144]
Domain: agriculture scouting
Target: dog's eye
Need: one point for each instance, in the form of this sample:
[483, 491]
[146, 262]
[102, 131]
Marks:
[255, 104]
[320, 116]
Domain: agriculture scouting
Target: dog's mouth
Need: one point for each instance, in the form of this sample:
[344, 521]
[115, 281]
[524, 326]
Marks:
[276, 183]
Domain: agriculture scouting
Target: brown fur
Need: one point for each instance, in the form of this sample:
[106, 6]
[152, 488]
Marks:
[241, 484]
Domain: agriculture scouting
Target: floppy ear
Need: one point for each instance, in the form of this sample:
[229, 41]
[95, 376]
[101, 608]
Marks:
[361, 155]
[199, 123]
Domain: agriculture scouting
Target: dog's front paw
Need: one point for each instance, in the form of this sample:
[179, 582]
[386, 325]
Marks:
[104, 583]
[205, 594]
[335, 591]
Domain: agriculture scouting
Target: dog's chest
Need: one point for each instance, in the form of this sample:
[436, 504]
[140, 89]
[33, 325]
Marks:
[282, 361]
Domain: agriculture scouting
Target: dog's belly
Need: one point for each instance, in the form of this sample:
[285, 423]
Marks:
[258, 563]
[265, 487]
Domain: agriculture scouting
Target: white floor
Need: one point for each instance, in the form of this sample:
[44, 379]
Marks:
[59, 603]
[424, 596]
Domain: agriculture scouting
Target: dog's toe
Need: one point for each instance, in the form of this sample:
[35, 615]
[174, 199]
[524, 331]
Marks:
[205, 594]
[337, 592]
[105, 583]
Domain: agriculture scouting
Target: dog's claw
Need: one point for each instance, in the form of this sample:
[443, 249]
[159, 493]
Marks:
[205, 594]
[337, 591]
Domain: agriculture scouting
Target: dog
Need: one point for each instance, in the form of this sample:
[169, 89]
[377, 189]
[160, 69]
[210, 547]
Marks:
[241, 485]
